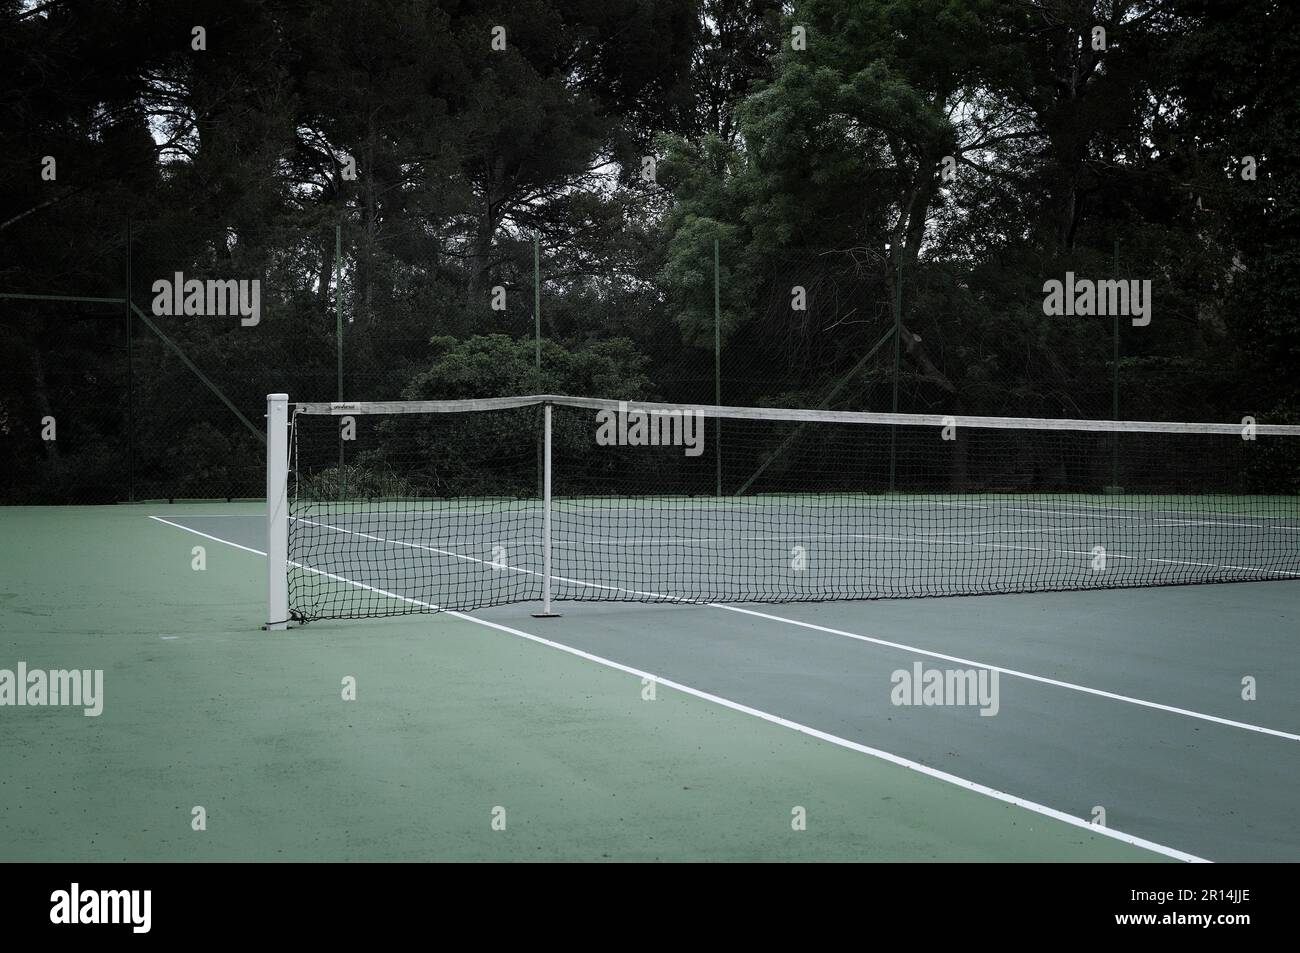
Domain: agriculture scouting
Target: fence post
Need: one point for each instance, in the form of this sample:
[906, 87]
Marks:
[537, 299]
[130, 377]
[338, 302]
[717, 363]
[1114, 487]
[898, 343]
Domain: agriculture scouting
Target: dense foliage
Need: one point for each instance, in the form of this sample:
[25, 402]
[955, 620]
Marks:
[621, 141]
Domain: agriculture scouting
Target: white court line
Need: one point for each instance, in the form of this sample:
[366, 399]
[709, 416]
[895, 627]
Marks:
[923, 540]
[877, 753]
[1272, 527]
[1098, 515]
[720, 539]
[475, 559]
[1081, 552]
[1151, 517]
[215, 539]
[1053, 507]
[1029, 676]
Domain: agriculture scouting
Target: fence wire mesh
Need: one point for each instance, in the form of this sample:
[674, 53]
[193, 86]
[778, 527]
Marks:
[170, 406]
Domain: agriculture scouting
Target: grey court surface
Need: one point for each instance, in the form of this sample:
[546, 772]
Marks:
[1127, 701]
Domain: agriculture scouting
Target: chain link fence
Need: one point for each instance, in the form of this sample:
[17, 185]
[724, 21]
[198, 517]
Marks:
[116, 399]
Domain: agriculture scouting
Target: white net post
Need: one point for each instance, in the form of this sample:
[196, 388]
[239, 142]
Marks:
[277, 510]
[546, 516]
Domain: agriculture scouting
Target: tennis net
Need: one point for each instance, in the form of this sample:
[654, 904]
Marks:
[403, 507]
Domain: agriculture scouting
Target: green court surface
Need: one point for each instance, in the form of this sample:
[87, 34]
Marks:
[454, 720]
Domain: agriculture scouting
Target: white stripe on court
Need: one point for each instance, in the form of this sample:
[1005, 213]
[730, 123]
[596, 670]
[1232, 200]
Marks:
[1029, 676]
[920, 540]
[877, 753]
[1154, 516]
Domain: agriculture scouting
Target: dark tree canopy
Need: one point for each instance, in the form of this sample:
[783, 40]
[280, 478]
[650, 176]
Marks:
[390, 168]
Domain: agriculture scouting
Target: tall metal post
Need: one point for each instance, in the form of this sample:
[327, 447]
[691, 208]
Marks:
[1114, 389]
[717, 365]
[338, 303]
[537, 298]
[130, 377]
[537, 337]
[898, 342]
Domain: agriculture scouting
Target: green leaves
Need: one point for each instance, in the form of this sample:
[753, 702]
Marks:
[493, 365]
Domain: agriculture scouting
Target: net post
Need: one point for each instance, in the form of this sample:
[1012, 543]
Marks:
[277, 510]
[546, 612]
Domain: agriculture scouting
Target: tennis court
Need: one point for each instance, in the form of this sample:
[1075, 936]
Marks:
[651, 430]
[638, 731]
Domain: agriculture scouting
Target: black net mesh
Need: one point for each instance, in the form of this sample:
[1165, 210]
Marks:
[403, 512]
